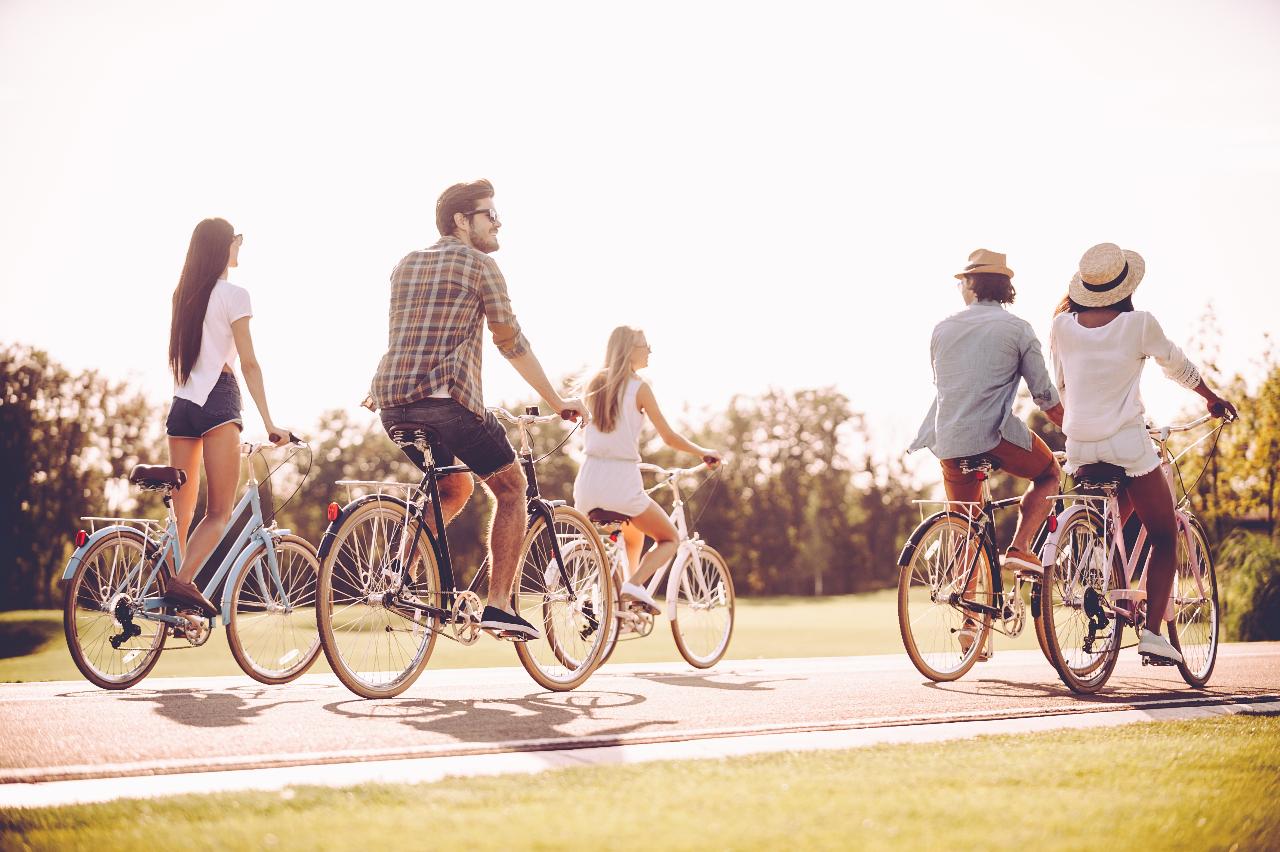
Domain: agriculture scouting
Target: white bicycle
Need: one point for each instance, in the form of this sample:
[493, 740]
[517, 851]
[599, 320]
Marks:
[699, 597]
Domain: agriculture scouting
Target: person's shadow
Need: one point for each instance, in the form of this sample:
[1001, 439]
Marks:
[211, 708]
[707, 681]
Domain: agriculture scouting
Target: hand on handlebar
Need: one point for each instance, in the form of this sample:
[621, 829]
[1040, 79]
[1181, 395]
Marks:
[712, 458]
[280, 437]
[575, 409]
[1220, 407]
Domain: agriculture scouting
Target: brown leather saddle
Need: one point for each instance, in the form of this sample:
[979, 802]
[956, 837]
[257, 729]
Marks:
[1099, 475]
[605, 518]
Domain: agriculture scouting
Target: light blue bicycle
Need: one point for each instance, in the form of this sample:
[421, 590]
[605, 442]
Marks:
[116, 617]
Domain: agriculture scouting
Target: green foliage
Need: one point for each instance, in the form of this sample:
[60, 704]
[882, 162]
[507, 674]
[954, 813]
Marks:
[1249, 579]
[67, 443]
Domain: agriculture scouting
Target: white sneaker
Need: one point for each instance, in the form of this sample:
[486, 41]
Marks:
[640, 595]
[1155, 645]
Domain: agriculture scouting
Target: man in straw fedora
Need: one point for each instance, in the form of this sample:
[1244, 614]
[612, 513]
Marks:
[979, 356]
[1099, 345]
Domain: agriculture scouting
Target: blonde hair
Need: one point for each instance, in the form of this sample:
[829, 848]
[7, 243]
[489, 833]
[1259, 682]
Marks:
[605, 389]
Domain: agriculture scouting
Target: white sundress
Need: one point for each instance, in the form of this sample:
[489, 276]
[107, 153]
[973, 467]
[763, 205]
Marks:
[610, 477]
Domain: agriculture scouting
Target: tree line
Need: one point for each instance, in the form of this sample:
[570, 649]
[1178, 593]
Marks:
[805, 504]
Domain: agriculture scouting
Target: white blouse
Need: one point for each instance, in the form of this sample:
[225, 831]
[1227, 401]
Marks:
[227, 303]
[1098, 369]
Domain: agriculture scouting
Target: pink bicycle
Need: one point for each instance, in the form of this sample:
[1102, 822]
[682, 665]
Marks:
[1095, 584]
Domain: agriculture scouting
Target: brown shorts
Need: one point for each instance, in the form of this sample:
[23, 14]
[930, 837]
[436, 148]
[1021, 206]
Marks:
[1024, 464]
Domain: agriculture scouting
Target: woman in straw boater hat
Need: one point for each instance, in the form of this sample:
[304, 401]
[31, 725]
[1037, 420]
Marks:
[1099, 344]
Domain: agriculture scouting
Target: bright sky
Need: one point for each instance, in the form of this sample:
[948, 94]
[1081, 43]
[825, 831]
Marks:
[777, 194]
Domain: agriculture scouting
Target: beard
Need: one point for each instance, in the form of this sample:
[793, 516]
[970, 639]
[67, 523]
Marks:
[487, 244]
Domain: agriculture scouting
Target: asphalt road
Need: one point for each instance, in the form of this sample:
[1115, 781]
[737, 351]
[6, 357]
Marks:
[71, 730]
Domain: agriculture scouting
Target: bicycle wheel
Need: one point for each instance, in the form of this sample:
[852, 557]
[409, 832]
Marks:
[948, 562]
[618, 565]
[703, 622]
[574, 620]
[1080, 626]
[110, 645]
[272, 629]
[377, 649]
[1194, 629]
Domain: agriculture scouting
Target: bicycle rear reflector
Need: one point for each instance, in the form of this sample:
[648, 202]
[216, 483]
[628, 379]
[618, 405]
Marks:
[334, 511]
[1053, 523]
[81, 538]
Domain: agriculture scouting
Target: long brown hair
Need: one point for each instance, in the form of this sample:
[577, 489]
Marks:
[207, 258]
[604, 390]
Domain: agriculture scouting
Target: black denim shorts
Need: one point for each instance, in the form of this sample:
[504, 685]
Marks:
[188, 420]
[456, 434]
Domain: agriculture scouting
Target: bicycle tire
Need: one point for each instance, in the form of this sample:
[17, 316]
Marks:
[573, 635]
[88, 619]
[931, 637]
[292, 638]
[719, 595]
[1077, 574]
[351, 576]
[1195, 637]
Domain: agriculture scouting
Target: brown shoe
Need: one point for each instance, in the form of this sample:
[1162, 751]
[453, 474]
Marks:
[188, 595]
[1023, 561]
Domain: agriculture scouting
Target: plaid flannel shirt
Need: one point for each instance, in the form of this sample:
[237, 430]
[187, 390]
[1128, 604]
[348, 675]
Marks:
[439, 298]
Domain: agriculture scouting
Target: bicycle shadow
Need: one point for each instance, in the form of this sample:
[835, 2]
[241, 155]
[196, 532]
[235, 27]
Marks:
[543, 716]
[705, 681]
[209, 708]
[1122, 691]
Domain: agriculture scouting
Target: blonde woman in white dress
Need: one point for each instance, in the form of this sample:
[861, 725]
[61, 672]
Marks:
[610, 479]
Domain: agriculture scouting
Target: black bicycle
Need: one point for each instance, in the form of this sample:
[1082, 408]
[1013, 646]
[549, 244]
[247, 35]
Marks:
[387, 587]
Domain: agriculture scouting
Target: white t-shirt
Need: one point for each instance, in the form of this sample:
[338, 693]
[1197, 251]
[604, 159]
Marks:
[1098, 371]
[227, 303]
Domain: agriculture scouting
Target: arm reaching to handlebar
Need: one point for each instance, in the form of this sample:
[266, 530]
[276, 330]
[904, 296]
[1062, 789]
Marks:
[649, 405]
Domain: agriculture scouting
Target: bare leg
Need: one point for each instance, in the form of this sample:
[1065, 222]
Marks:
[455, 491]
[1035, 506]
[185, 454]
[654, 523]
[506, 531]
[222, 468]
[633, 540]
[1154, 505]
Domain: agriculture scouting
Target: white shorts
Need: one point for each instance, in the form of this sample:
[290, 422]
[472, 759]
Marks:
[1130, 448]
[611, 484]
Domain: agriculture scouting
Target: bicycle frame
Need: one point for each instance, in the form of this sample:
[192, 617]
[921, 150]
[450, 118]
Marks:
[1133, 569]
[428, 491]
[231, 555]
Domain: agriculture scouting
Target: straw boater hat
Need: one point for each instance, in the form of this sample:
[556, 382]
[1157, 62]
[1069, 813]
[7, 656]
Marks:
[1107, 274]
[986, 261]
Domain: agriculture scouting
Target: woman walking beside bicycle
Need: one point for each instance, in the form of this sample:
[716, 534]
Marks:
[1098, 345]
[208, 329]
[610, 478]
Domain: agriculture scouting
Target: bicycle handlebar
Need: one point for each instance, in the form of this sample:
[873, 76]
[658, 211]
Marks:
[526, 418]
[672, 472]
[248, 448]
[1162, 433]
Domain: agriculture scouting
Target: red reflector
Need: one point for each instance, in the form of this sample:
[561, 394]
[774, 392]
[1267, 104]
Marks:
[81, 538]
[334, 511]
[1053, 523]
[982, 477]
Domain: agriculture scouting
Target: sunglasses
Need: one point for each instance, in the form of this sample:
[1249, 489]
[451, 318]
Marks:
[492, 214]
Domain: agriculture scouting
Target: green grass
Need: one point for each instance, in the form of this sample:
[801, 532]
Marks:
[764, 628]
[1169, 785]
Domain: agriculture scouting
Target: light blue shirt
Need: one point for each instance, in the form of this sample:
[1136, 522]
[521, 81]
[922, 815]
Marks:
[978, 357]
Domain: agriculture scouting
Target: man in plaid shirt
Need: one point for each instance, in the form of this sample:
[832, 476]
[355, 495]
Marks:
[441, 298]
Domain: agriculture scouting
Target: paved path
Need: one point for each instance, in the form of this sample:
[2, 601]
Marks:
[70, 730]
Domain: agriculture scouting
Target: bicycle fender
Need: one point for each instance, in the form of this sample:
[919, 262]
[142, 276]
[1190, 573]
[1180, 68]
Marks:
[913, 540]
[326, 540]
[1049, 552]
[261, 536]
[74, 561]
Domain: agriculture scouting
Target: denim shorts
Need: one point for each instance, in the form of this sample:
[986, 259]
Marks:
[456, 433]
[188, 420]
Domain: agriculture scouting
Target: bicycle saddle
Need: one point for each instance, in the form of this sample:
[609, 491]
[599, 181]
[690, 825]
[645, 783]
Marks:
[154, 477]
[983, 463]
[408, 433]
[1099, 475]
[604, 517]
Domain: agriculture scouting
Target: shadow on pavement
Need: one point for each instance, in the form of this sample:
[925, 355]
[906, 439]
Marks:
[546, 716]
[1121, 691]
[196, 708]
[706, 681]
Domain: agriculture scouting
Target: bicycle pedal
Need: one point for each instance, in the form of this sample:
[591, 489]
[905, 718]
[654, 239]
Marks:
[506, 635]
[1153, 660]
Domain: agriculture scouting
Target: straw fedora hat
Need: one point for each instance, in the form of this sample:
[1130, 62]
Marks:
[983, 260]
[1107, 274]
